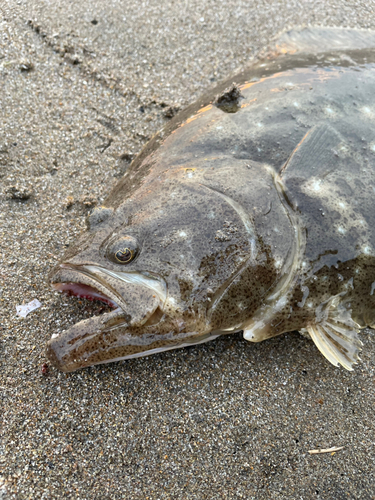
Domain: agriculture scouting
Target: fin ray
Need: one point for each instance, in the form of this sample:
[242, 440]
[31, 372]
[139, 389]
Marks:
[335, 333]
[314, 155]
[343, 335]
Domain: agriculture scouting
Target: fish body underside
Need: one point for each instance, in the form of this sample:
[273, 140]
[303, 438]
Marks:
[252, 210]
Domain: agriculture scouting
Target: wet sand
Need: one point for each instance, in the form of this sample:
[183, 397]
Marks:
[83, 87]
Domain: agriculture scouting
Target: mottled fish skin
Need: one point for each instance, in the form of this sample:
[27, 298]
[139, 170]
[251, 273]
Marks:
[257, 217]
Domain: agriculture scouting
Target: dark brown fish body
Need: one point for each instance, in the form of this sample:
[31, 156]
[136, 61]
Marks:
[250, 211]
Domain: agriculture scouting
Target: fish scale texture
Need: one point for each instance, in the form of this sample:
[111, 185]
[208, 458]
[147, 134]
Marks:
[83, 88]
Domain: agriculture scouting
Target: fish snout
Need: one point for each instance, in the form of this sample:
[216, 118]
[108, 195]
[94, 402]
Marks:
[53, 356]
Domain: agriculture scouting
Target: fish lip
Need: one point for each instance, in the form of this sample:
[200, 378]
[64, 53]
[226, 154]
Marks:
[94, 279]
[73, 274]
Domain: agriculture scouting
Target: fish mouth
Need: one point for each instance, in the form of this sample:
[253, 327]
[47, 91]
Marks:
[84, 292]
[111, 287]
[138, 300]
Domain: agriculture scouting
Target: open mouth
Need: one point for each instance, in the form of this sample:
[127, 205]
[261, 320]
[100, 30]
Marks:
[138, 300]
[138, 295]
[140, 324]
[84, 292]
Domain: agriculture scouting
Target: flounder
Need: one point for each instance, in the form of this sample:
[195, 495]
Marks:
[253, 210]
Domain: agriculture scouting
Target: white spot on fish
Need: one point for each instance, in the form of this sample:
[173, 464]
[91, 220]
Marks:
[296, 104]
[182, 234]
[278, 263]
[342, 204]
[341, 230]
[219, 128]
[316, 184]
[367, 250]
[281, 303]
[171, 301]
[366, 110]
[260, 125]
[329, 110]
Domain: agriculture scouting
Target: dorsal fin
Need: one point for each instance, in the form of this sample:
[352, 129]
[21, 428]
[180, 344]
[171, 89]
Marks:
[316, 40]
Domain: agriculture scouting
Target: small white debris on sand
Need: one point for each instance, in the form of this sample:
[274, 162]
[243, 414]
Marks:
[25, 309]
[326, 450]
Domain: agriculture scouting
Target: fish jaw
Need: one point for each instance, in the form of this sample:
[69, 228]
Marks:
[83, 344]
[135, 297]
[107, 338]
[142, 323]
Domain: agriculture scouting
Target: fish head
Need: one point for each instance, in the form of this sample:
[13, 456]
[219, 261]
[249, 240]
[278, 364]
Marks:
[180, 261]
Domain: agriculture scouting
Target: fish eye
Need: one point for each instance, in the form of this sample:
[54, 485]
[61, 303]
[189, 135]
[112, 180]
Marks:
[123, 250]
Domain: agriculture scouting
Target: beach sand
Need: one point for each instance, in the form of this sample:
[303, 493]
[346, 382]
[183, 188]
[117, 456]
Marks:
[83, 87]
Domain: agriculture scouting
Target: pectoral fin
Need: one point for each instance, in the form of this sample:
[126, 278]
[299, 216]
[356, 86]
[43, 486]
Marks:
[335, 333]
[315, 155]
